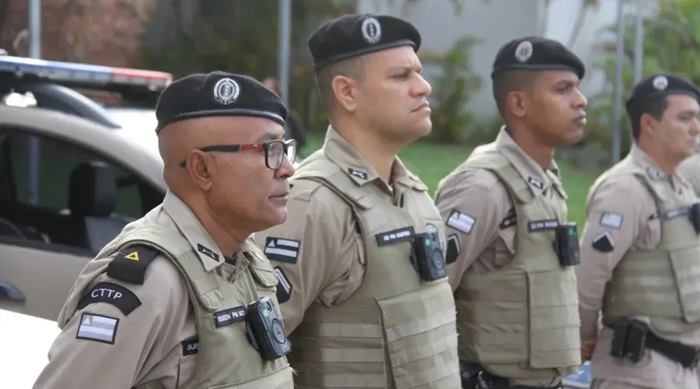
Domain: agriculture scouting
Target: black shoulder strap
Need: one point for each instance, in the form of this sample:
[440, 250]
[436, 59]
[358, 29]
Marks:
[130, 263]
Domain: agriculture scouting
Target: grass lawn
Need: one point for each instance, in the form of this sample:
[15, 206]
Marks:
[432, 162]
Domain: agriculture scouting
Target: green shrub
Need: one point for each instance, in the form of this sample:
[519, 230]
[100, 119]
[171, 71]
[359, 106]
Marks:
[452, 88]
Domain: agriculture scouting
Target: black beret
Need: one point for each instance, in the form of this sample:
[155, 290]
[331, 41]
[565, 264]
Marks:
[217, 94]
[352, 35]
[536, 53]
[661, 85]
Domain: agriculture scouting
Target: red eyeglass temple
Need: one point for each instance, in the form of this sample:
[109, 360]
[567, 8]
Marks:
[253, 147]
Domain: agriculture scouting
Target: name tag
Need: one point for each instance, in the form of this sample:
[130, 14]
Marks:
[229, 316]
[674, 213]
[395, 236]
[542, 225]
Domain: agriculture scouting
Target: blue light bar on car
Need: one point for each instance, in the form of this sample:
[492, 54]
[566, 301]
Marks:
[85, 74]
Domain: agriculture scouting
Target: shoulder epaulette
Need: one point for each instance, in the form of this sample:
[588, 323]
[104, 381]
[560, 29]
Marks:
[130, 263]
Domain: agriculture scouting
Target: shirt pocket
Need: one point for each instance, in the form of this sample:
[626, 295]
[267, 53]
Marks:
[185, 369]
[504, 247]
[650, 235]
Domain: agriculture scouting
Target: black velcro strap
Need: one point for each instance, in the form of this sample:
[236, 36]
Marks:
[684, 354]
[131, 262]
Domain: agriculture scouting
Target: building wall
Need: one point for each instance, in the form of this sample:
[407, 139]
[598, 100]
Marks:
[492, 22]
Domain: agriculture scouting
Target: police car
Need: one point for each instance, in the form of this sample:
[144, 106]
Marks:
[73, 172]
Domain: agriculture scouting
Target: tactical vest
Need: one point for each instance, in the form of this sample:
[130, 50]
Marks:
[395, 331]
[662, 284]
[521, 320]
[225, 359]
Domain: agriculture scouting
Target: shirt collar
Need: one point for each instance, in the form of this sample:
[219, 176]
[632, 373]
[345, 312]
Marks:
[354, 164]
[654, 172]
[529, 170]
[187, 222]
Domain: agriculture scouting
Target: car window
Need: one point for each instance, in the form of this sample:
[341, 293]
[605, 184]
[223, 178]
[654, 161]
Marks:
[64, 193]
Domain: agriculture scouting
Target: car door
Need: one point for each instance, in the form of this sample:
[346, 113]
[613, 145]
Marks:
[60, 201]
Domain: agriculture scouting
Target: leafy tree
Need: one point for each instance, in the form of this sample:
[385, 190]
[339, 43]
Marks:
[240, 36]
[452, 88]
[671, 45]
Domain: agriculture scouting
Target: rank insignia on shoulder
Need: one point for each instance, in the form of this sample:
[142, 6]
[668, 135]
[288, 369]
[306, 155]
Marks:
[453, 248]
[357, 173]
[461, 222]
[284, 287]
[130, 263]
[536, 182]
[99, 328]
[604, 242]
[653, 172]
[117, 295]
[612, 220]
[282, 249]
[208, 252]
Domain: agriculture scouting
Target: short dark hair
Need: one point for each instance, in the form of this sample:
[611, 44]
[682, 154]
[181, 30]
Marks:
[352, 67]
[655, 106]
[506, 82]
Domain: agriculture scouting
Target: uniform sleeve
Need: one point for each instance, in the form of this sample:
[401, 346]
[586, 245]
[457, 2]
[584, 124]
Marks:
[472, 204]
[317, 253]
[114, 344]
[618, 213]
[690, 170]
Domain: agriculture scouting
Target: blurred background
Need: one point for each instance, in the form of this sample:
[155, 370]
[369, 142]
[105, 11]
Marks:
[619, 40]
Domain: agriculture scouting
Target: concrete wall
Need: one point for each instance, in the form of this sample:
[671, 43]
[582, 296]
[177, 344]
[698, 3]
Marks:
[492, 22]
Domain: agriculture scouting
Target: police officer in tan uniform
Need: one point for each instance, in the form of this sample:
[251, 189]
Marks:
[182, 298]
[509, 249]
[640, 251]
[360, 259]
[690, 170]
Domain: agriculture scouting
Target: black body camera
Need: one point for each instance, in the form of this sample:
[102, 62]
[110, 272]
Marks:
[566, 244]
[427, 256]
[265, 330]
[629, 339]
[695, 217]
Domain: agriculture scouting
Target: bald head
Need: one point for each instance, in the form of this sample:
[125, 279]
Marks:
[178, 140]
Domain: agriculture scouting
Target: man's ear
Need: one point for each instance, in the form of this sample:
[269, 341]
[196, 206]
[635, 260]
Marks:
[345, 92]
[201, 168]
[647, 124]
[516, 103]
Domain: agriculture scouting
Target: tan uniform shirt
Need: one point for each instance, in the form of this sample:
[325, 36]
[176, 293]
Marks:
[322, 257]
[624, 213]
[148, 342]
[487, 240]
[690, 170]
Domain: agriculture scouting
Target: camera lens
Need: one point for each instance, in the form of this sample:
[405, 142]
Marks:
[278, 331]
[266, 308]
[438, 261]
